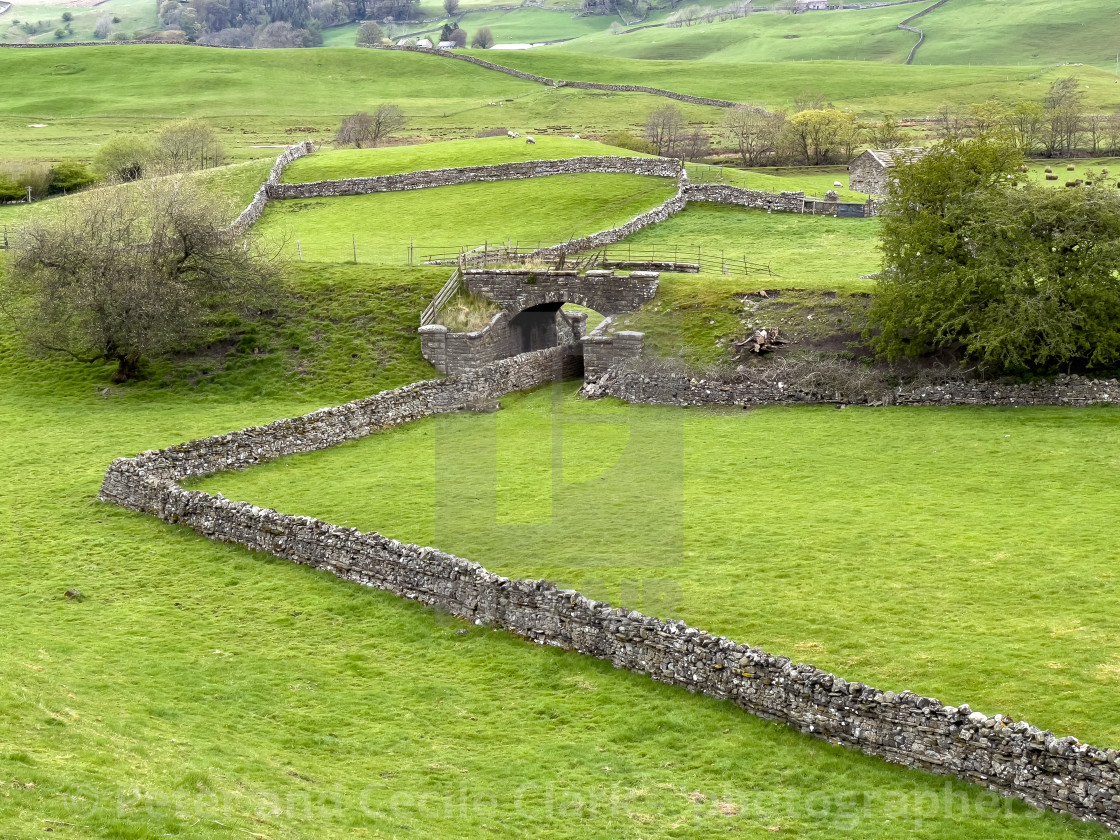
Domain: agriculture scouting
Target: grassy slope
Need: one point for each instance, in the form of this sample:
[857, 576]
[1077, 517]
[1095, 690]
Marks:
[870, 35]
[443, 219]
[863, 86]
[352, 163]
[236, 183]
[980, 516]
[201, 690]
[1001, 31]
[263, 97]
[134, 15]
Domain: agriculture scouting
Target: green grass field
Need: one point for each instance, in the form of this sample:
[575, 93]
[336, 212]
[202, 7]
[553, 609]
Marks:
[135, 15]
[202, 691]
[868, 35]
[444, 219]
[867, 87]
[390, 160]
[912, 567]
[83, 95]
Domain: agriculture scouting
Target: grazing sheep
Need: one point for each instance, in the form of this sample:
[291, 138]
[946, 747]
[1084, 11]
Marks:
[837, 184]
[575, 136]
[530, 141]
[511, 134]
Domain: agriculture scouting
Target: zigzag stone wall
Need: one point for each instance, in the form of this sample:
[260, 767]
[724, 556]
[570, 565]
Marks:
[1008, 756]
[423, 179]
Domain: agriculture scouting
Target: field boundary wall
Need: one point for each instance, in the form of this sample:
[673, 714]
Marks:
[453, 176]
[559, 83]
[251, 214]
[636, 383]
[1005, 755]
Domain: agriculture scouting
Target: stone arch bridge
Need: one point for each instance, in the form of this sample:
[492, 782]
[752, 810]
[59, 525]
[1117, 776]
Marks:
[531, 316]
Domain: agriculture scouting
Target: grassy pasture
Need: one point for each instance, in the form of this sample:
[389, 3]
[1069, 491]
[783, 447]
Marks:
[259, 99]
[390, 160]
[135, 15]
[863, 35]
[202, 691]
[443, 219]
[900, 577]
[235, 184]
[866, 87]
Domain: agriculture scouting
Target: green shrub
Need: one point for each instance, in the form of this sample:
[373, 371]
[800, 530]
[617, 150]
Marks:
[70, 175]
[626, 140]
[1016, 280]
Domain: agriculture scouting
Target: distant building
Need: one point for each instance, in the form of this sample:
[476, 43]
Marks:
[870, 172]
[425, 43]
[445, 45]
[812, 5]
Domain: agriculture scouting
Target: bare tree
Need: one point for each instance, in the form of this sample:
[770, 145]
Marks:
[278, 35]
[887, 134]
[190, 144]
[1062, 125]
[1095, 127]
[103, 28]
[664, 127]
[754, 133]
[696, 145]
[132, 272]
[451, 7]
[483, 38]
[1026, 121]
[1112, 133]
[459, 37]
[366, 129]
[950, 123]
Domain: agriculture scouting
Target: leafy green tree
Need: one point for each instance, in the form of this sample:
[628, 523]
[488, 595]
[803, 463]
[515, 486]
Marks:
[369, 33]
[11, 189]
[70, 175]
[125, 158]
[1017, 279]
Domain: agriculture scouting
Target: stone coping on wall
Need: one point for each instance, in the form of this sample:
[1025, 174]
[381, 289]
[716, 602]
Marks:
[1008, 756]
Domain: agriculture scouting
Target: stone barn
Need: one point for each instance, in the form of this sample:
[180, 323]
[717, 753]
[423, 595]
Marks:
[871, 172]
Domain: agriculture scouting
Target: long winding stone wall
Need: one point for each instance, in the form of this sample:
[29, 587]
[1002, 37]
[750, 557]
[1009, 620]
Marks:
[635, 385]
[1008, 756]
[423, 179]
[545, 80]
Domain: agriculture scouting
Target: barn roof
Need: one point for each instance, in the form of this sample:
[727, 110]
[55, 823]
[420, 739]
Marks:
[888, 158]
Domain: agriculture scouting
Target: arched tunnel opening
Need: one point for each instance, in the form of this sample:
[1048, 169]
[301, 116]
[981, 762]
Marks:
[548, 324]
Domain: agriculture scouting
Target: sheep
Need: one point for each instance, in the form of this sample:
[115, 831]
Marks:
[530, 141]
[512, 135]
[837, 184]
[575, 136]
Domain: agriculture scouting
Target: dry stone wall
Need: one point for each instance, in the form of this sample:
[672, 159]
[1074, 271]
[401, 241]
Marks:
[632, 384]
[1006, 755]
[788, 202]
[545, 80]
[462, 352]
[609, 164]
[252, 213]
